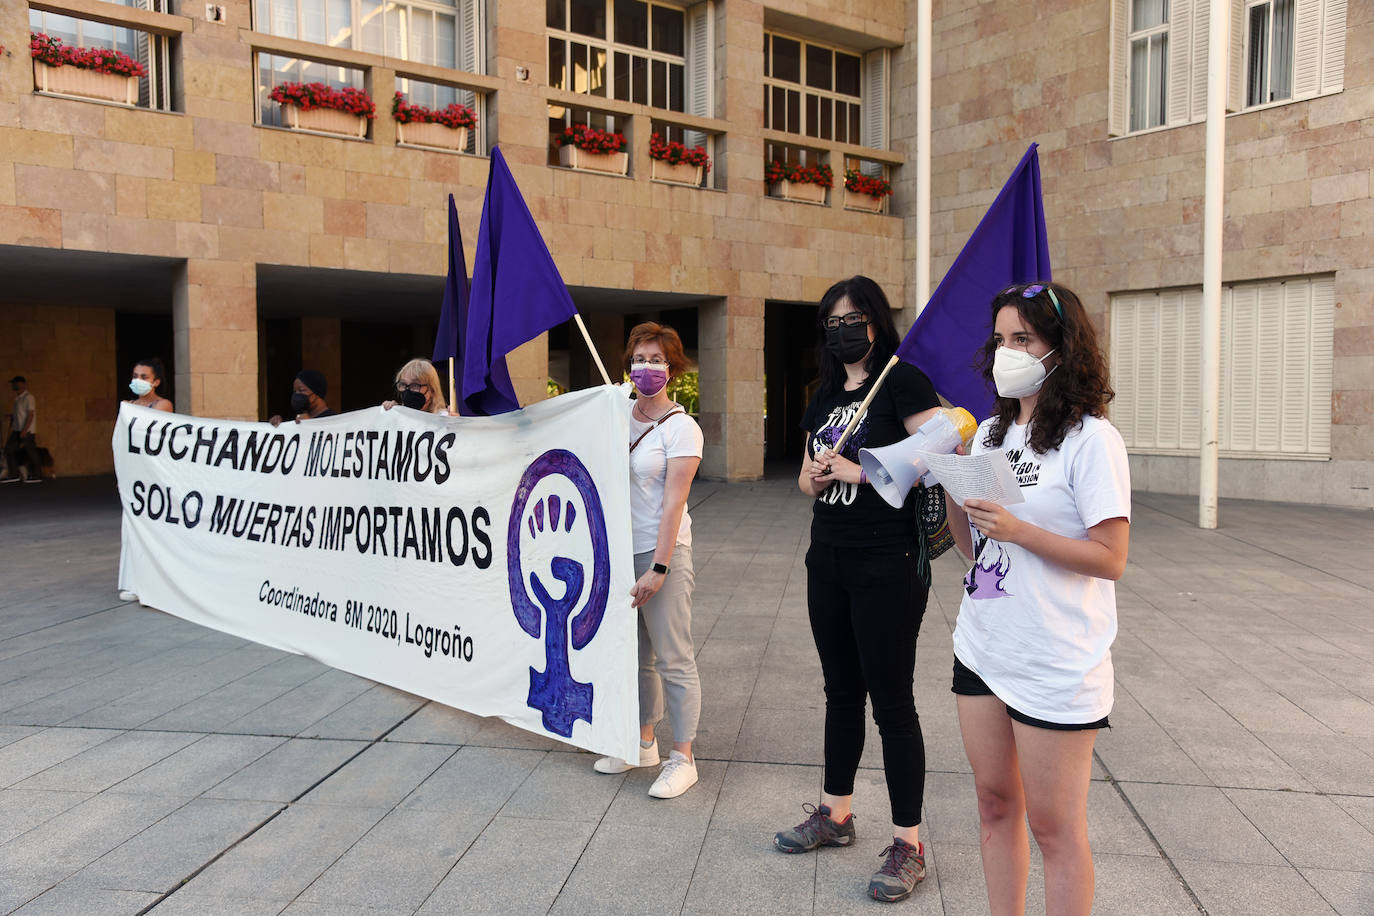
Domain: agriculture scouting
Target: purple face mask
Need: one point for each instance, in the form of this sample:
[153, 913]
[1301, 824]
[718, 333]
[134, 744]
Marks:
[649, 381]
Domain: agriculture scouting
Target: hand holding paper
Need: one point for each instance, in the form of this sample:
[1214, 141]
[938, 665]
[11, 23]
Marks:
[986, 475]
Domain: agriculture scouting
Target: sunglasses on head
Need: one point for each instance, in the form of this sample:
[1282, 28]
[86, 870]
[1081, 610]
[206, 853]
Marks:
[1030, 292]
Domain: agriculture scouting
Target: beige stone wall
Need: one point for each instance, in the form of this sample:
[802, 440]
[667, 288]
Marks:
[1126, 214]
[207, 185]
[67, 355]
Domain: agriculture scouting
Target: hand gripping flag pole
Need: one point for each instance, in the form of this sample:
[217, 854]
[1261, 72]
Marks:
[1008, 246]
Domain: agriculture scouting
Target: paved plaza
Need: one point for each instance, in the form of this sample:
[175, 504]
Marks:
[147, 764]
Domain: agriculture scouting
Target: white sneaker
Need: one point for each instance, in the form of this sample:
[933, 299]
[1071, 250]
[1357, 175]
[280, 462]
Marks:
[677, 776]
[648, 757]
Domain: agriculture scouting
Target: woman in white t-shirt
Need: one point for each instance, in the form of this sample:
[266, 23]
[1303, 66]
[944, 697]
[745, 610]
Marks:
[1032, 659]
[665, 449]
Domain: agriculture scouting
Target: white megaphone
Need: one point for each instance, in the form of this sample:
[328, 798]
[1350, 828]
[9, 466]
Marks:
[894, 469]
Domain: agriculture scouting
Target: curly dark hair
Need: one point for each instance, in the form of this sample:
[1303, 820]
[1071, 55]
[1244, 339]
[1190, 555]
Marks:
[866, 296]
[155, 366]
[1078, 385]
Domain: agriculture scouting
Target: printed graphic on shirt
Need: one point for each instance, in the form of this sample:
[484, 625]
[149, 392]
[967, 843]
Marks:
[826, 437]
[1024, 466]
[991, 565]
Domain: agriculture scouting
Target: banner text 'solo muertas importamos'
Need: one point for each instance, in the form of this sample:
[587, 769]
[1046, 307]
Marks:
[482, 562]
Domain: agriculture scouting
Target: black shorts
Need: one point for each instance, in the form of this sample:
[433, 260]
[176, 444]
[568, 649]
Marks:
[969, 684]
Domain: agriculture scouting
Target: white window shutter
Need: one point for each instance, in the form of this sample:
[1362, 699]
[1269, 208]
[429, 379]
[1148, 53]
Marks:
[1190, 377]
[1321, 364]
[874, 132]
[1296, 304]
[701, 76]
[1197, 72]
[1118, 66]
[470, 56]
[1180, 61]
[1124, 354]
[1235, 79]
[1307, 48]
[1333, 46]
[1147, 376]
[1269, 328]
[1170, 358]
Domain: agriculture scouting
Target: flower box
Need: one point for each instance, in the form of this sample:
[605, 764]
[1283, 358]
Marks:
[423, 133]
[91, 84]
[857, 200]
[678, 173]
[800, 190]
[574, 158]
[325, 120]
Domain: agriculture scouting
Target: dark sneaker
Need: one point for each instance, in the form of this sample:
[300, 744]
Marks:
[816, 830]
[904, 868]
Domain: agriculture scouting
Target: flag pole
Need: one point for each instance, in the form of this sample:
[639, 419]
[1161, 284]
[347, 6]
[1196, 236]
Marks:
[863, 408]
[452, 390]
[591, 346]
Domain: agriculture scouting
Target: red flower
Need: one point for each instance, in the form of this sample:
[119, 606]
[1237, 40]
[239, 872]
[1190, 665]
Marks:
[591, 139]
[309, 96]
[776, 171]
[860, 183]
[51, 51]
[454, 115]
[675, 153]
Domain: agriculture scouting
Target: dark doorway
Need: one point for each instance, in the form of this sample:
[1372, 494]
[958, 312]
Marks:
[790, 372]
[281, 347]
[371, 354]
[143, 336]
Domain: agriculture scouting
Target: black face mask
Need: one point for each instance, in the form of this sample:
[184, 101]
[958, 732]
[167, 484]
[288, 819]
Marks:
[300, 403]
[412, 399]
[848, 342]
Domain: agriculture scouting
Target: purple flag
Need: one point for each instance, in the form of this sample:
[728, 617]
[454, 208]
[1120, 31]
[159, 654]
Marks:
[1009, 246]
[517, 294]
[454, 313]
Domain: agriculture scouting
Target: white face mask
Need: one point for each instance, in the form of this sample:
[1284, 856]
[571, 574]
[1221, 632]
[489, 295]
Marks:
[1017, 373]
[140, 386]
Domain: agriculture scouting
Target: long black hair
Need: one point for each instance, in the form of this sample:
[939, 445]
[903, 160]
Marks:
[866, 296]
[1079, 385]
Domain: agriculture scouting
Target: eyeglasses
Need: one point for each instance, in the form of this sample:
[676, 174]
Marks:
[412, 386]
[1035, 289]
[848, 319]
[656, 362]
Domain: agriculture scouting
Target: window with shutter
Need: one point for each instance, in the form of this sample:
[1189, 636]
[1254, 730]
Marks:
[701, 71]
[1276, 368]
[822, 91]
[443, 32]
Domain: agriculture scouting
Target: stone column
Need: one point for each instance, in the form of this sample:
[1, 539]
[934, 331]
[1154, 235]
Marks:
[730, 355]
[215, 336]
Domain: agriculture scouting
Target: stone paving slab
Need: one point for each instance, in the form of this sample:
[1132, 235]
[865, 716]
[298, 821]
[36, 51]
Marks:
[149, 765]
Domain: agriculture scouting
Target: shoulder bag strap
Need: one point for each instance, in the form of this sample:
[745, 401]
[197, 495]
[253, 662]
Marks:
[659, 422]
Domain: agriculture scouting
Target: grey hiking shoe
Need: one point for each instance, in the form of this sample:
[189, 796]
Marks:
[904, 868]
[816, 830]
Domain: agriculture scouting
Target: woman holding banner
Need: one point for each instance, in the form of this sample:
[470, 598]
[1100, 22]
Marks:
[1032, 662]
[418, 387]
[665, 449]
[144, 382]
[866, 591]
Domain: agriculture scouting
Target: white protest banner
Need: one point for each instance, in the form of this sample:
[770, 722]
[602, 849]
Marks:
[483, 562]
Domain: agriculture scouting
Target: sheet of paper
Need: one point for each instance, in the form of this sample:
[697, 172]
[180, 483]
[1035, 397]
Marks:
[986, 475]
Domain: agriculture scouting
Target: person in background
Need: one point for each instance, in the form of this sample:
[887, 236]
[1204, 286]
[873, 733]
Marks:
[144, 383]
[23, 427]
[1032, 643]
[866, 586]
[307, 397]
[665, 450]
[418, 387]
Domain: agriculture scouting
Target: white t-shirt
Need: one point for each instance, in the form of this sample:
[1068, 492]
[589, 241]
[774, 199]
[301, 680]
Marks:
[23, 407]
[677, 437]
[1038, 634]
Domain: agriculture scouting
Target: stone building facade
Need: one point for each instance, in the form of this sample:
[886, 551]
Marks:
[241, 249]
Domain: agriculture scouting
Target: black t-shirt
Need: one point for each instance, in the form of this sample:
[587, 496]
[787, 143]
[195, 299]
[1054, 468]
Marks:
[847, 513]
[327, 412]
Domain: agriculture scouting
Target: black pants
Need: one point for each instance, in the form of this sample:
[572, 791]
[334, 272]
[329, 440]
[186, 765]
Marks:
[30, 447]
[866, 605]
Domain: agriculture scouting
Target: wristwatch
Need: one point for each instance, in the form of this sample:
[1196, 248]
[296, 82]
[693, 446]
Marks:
[660, 569]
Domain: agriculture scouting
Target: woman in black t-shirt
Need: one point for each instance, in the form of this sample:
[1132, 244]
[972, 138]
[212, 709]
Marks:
[866, 592]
